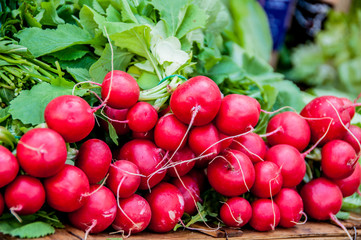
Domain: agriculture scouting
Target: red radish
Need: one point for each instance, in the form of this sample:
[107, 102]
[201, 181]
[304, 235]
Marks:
[142, 117]
[134, 215]
[252, 145]
[349, 106]
[169, 133]
[265, 215]
[350, 185]
[116, 117]
[319, 113]
[236, 212]
[356, 131]
[293, 130]
[204, 141]
[148, 158]
[41, 152]
[237, 113]
[180, 159]
[119, 89]
[226, 141]
[98, 212]
[291, 207]
[198, 98]
[143, 135]
[25, 195]
[200, 177]
[94, 159]
[231, 173]
[125, 176]
[338, 159]
[290, 161]
[190, 191]
[2, 204]
[68, 190]
[321, 198]
[70, 116]
[167, 205]
[9, 166]
[268, 181]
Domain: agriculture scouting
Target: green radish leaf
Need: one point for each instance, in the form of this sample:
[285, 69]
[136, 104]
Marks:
[48, 15]
[33, 230]
[4, 114]
[113, 134]
[343, 215]
[71, 53]
[194, 18]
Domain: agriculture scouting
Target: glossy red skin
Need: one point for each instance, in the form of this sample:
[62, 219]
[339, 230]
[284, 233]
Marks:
[233, 176]
[183, 154]
[268, 180]
[224, 144]
[101, 207]
[321, 197]
[41, 152]
[237, 112]
[236, 208]
[70, 116]
[66, 191]
[169, 132]
[201, 138]
[190, 191]
[138, 210]
[26, 192]
[349, 106]
[320, 108]
[144, 135]
[351, 140]
[9, 166]
[116, 115]
[201, 92]
[290, 161]
[295, 130]
[129, 185]
[123, 90]
[147, 157]
[290, 205]
[142, 117]
[338, 158]
[349, 185]
[263, 217]
[2, 204]
[200, 177]
[167, 205]
[94, 159]
[253, 143]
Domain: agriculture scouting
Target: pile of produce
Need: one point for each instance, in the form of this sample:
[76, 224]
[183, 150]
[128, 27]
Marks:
[138, 116]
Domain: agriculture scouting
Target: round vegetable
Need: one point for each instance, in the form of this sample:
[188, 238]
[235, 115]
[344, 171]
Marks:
[9, 166]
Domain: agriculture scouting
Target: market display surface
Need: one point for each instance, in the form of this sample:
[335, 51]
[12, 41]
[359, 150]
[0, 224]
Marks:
[163, 119]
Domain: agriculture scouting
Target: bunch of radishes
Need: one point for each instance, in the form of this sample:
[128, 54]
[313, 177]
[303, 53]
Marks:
[158, 175]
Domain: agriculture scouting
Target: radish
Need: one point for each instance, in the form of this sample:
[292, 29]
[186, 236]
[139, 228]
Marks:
[196, 101]
[231, 173]
[119, 90]
[236, 212]
[68, 190]
[123, 175]
[180, 159]
[268, 179]
[356, 131]
[167, 205]
[265, 215]
[94, 159]
[350, 185]
[98, 212]
[200, 177]
[142, 117]
[9, 166]
[117, 117]
[41, 152]
[320, 111]
[2, 204]
[204, 140]
[338, 159]
[25, 195]
[291, 207]
[290, 161]
[170, 133]
[349, 106]
[70, 116]
[226, 141]
[237, 112]
[190, 191]
[144, 135]
[252, 145]
[298, 137]
[148, 159]
[133, 215]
